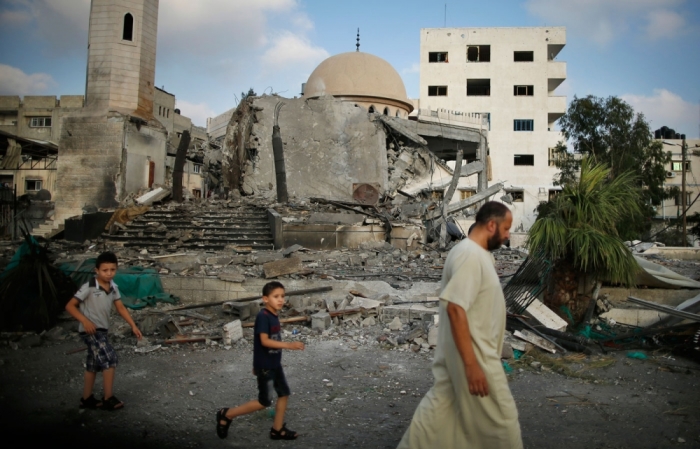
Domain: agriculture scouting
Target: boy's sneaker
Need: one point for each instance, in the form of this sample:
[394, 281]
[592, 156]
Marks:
[90, 402]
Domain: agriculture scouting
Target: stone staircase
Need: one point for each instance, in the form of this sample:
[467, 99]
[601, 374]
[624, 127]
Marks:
[48, 229]
[197, 229]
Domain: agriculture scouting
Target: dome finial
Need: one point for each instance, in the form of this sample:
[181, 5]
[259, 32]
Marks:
[358, 40]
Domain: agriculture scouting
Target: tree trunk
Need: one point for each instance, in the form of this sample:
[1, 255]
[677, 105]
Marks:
[569, 290]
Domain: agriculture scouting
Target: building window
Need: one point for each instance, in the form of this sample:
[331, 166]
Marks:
[552, 157]
[676, 165]
[679, 198]
[128, 33]
[167, 113]
[478, 53]
[32, 185]
[197, 168]
[197, 193]
[524, 159]
[553, 194]
[437, 56]
[466, 193]
[523, 91]
[437, 91]
[517, 195]
[479, 87]
[386, 111]
[40, 122]
[523, 125]
[523, 56]
[371, 110]
[398, 113]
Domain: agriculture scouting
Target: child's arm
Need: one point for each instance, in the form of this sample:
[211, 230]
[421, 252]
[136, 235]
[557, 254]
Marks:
[125, 314]
[72, 309]
[274, 344]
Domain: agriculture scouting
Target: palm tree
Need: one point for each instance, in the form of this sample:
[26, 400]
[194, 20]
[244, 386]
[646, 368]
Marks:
[578, 232]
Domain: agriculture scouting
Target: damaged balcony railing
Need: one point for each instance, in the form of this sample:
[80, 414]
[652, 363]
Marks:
[526, 284]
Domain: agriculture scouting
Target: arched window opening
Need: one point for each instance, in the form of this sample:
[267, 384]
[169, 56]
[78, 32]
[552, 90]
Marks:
[167, 112]
[371, 110]
[398, 113]
[128, 34]
[386, 111]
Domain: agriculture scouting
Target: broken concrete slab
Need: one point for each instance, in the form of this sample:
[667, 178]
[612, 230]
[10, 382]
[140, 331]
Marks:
[153, 196]
[365, 303]
[545, 316]
[233, 332]
[337, 218]
[535, 340]
[634, 317]
[232, 277]
[291, 249]
[655, 275]
[263, 258]
[281, 267]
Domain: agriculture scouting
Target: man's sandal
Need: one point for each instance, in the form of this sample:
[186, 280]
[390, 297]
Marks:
[112, 403]
[90, 402]
[222, 429]
[283, 433]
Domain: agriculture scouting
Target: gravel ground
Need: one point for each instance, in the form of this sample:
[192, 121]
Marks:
[342, 397]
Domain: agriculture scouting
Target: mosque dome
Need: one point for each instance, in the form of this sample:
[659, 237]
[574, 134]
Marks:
[363, 78]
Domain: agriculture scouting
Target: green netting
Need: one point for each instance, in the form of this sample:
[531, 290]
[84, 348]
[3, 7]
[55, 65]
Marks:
[139, 286]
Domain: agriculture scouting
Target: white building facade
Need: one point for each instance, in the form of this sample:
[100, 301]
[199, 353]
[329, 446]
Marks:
[511, 74]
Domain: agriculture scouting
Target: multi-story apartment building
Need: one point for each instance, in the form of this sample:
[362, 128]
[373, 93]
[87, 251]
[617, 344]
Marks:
[511, 74]
[673, 143]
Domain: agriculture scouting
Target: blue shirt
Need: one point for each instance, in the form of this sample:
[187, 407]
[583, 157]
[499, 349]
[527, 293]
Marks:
[267, 358]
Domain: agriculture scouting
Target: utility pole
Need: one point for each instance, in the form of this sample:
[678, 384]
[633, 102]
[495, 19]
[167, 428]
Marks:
[683, 199]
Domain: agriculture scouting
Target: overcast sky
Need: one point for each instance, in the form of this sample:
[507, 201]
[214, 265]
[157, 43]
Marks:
[209, 51]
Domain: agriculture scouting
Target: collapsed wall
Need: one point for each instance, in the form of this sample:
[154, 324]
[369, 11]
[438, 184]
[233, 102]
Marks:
[330, 148]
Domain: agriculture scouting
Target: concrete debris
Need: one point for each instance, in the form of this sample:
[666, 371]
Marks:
[321, 321]
[232, 332]
[155, 195]
[535, 340]
[395, 324]
[277, 268]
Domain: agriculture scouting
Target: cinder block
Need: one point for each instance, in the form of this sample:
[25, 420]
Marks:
[321, 320]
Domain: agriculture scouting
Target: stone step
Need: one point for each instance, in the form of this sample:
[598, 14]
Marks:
[130, 234]
[185, 223]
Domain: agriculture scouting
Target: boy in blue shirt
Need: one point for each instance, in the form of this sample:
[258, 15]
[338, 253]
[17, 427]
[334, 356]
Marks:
[91, 306]
[267, 367]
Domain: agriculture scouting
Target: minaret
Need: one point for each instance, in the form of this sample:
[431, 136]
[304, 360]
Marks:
[122, 56]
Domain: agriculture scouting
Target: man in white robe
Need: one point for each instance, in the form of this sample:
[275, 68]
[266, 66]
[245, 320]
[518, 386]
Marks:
[470, 404]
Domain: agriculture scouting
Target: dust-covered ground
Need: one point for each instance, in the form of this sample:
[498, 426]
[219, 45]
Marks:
[345, 395]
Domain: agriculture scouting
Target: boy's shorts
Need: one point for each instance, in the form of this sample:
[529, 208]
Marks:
[269, 379]
[100, 353]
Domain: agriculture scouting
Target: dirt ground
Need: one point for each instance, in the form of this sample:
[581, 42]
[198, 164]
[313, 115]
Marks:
[347, 393]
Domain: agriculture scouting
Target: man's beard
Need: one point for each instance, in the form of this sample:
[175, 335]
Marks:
[494, 242]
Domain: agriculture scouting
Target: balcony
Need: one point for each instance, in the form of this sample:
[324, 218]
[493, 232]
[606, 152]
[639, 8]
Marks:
[556, 107]
[556, 74]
